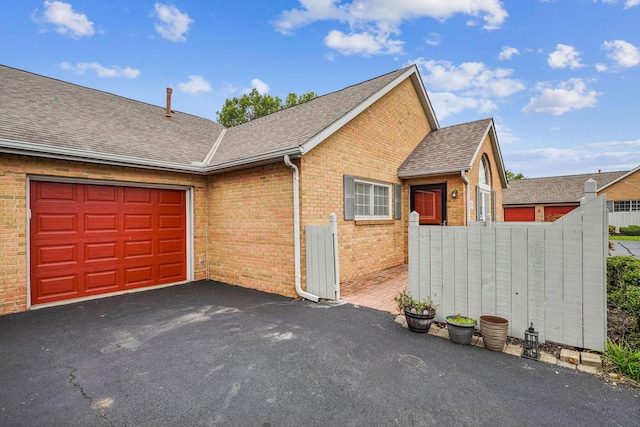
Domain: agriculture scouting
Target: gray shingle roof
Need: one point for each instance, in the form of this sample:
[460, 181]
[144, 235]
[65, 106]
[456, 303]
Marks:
[292, 127]
[445, 150]
[553, 189]
[41, 110]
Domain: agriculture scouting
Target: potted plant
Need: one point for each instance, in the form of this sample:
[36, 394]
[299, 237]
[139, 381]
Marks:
[460, 328]
[419, 313]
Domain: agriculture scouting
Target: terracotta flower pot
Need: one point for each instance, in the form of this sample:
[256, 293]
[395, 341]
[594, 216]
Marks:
[494, 332]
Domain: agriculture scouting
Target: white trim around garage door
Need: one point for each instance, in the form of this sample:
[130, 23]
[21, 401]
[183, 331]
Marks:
[190, 216]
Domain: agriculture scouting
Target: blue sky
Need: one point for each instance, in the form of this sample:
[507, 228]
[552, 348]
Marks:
[560, 78]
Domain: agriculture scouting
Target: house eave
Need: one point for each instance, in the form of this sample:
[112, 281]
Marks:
[250, 162]
[433, 172]
[60, 153]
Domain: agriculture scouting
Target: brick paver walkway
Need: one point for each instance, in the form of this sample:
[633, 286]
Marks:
[376, 290]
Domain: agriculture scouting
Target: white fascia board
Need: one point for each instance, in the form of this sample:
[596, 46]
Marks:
[434, 172]
[60, 153]
[213, 150]
[263, 159]
[497, 154]
[335, 126]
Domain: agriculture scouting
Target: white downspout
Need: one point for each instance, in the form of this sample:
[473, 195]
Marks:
[466, 197]
[296, 230]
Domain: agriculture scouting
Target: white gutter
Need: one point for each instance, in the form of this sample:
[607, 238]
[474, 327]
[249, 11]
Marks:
[296, 230]
[466, 197]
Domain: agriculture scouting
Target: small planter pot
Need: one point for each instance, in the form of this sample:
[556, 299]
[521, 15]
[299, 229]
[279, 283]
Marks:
[494, 332]
[460, 333]
[419, 323]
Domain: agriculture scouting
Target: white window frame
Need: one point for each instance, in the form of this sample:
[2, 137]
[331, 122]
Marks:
[371, 205]
[626, 205]
[484, 184]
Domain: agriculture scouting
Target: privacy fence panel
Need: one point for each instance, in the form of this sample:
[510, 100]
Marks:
[624, 219]
[551, 274]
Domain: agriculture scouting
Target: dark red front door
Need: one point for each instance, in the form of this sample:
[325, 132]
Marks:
[428, 203]
[95, 239]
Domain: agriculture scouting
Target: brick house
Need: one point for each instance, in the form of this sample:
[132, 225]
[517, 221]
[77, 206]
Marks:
[548, 198]
[102, 194]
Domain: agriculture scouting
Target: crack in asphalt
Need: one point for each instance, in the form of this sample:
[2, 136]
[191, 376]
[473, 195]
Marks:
[73, 382]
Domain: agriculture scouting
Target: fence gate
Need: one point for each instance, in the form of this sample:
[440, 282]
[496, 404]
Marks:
[323, 271]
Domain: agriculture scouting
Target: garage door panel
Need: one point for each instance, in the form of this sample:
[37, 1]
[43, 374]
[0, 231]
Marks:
[101, 251]
[94, 239]
[101, 281]
[56, 223]
[101, 223]
[170, 271]
[138, 222]
[525, 214]
[57, 287]
[57, 255]
[138, 248]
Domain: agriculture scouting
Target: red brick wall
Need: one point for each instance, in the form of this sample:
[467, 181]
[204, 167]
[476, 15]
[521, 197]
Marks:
[14, 170]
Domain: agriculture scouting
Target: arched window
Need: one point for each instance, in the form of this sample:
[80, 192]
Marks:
[483, 192]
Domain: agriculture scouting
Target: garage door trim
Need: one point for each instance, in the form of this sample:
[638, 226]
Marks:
[189, 219]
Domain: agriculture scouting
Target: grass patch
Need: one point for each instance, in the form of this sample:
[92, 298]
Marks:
[624, 237]
[624, 358]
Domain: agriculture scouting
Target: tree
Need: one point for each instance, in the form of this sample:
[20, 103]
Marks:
[253, 105]
[511, 176]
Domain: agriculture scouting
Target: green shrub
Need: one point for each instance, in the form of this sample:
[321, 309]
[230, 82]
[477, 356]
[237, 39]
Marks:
[630, 303]
[632, 230]
[612, 230]
[624, 358]
[617, 267]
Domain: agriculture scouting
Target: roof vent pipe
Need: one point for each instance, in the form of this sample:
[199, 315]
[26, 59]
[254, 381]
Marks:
[167, 114]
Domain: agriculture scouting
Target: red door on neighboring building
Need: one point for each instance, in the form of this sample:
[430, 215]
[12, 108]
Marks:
[525, 214]
[93, 239]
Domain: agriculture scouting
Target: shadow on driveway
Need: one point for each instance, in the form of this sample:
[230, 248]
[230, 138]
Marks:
[206, 353]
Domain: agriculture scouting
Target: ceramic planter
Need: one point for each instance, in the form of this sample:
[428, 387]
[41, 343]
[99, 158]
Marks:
[494, 332]
[460, 333]
[419, 323]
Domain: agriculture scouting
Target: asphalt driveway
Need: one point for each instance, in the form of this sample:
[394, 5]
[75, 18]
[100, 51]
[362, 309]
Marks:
[625, 248]
[207, 354]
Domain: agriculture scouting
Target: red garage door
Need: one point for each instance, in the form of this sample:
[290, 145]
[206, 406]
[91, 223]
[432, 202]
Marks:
[95, 239]
[551, 213]
[520, 214]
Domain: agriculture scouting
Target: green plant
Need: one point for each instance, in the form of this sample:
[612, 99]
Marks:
[624, 358]
[462, 320]
[632, 230]
[612, 229]
[406, 302]
[617, 267]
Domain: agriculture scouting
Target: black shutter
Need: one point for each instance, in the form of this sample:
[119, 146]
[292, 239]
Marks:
[349, 206]
[397, 201]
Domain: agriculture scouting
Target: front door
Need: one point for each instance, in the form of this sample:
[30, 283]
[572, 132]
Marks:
[429, 202]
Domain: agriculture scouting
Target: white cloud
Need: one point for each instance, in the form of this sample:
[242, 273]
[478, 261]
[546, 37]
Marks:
[612, 144]
[372, 22]
[627, 3]
[601, 68]
[196, 84]
[505, 135]
[172, 24]
[623, 53]
[471, 78]
[261, 86]
[366, 44]
[67, 21]
[447, 104]
[100, 70]
[433, 40]
[507, 52]
[564, 56]
[569, 95]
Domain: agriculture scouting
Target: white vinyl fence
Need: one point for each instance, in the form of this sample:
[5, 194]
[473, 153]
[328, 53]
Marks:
[624, 219]
[551, 274]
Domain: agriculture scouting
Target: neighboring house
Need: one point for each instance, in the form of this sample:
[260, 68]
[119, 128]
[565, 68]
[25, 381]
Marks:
[548, 198]
[103, 194]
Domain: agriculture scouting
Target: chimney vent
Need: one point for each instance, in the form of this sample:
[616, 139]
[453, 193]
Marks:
[167, 114]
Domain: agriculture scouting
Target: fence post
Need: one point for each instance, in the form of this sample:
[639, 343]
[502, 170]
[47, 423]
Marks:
[590, 192]
[414, 254]
[333, 221]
